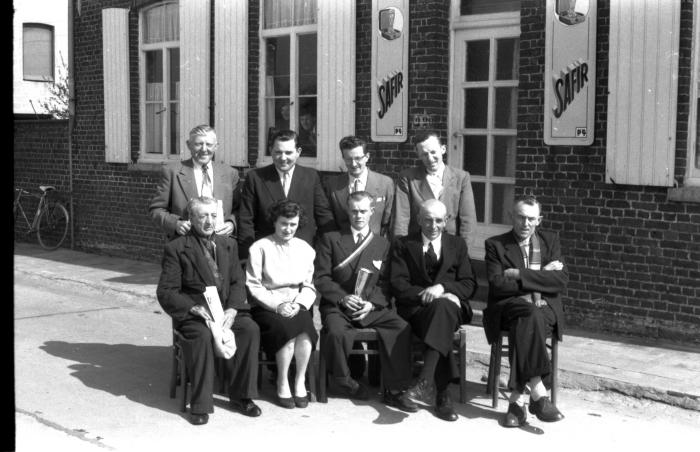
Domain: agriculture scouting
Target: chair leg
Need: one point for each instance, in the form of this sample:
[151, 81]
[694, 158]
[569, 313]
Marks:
[173, 373]
[322, 379]
[184, 381]
[462, 365]
[311, 370]
[496, 378]
[492, 368]
[555, 368]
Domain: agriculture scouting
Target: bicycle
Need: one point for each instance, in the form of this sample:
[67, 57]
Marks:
[50, 220]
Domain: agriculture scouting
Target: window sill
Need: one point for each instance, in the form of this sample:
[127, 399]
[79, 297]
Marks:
[685, 194]
[145, 166]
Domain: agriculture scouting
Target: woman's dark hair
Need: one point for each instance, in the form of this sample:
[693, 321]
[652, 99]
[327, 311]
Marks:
[288, 209]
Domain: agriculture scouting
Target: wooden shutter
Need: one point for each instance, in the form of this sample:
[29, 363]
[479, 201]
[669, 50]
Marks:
[643, 86]
[336, 79]
[115, 67]
[231, 81]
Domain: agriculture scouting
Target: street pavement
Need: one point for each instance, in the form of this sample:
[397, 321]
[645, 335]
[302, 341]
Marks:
[93, 357]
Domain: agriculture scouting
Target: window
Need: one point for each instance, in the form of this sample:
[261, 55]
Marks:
[37, 52]
[288, 69]
[693, 164]
[160, 81]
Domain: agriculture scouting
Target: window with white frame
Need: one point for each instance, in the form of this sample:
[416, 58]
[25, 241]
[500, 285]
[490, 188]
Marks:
[288, 85]
[693, 163]
[159, 60]
[37, 52]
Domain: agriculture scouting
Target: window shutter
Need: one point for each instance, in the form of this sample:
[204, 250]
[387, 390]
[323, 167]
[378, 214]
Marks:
[643, 86]
[231, 81]
[115, 67]
[194, 67]
[336, 79]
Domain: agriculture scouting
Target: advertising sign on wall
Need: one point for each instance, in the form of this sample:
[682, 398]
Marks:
[389, 79]
[569, 94]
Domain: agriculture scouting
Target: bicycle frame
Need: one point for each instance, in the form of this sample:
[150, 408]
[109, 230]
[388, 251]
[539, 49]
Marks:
[18, 205]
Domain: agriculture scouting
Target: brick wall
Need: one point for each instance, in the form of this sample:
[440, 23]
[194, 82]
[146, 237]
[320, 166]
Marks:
[632, 255]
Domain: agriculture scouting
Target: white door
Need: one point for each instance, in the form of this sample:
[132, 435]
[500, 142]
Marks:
[483, 119]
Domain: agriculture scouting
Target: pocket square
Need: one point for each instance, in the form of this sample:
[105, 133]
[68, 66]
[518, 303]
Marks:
[379, 199]
[377, 264]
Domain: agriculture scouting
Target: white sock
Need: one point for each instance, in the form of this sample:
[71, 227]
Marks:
[517, 398]
[538, 391]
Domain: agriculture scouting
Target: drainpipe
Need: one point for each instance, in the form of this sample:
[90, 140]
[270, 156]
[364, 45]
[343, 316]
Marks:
[71, 114]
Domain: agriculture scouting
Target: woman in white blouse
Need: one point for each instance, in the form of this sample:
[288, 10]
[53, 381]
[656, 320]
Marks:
[279, 277]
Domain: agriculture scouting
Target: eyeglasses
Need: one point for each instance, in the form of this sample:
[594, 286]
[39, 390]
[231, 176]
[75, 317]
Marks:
[355, 159]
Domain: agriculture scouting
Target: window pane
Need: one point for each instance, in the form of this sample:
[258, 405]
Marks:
[307, 126]
[468, 7]
[504, 156]
[174, 73]
[278, 112]
[476, 102]
[154, 75]
[479, 199]
[475, 154]
[161, 23]
[286, 13]
[477, 60]
[502, 200]
[506, 107]
[304, 12]
[307, 64]
[507, 59]
[174, 129]
[154, 128]
[277, 67]
[37, 51]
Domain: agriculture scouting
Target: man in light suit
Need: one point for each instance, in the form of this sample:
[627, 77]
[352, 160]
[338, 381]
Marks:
[283, 179]
[432, 280]
[360, 178]
[191, 263]
[196, 176]
[434, 180]
[526, 277]
[340, 258]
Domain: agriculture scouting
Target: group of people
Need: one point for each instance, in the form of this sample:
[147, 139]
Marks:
[370, 253]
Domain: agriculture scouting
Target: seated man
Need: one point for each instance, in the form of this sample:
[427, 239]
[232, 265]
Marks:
[341, 259]
[192, 262]
[526, 277]
[432, 280]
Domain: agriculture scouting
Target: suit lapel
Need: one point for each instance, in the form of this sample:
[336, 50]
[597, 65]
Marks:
[194, 252]
[222, 261]
[423, 186]
[371, 185]
[448, 177]
[415, 249]
[512, 252]
[273, 184]
[186, 179]
[448, 256]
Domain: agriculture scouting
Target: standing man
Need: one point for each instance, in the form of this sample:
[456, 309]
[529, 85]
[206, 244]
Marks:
[341, 256]
[283, 179]
[194, 177]
[198, 261]
[432, 280]
[434, 180]
[526, 278]
[360, 178]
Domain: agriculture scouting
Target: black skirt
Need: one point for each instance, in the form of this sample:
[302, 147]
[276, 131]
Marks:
[275, 330]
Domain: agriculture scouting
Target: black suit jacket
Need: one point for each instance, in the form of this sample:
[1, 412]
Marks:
[503, 252]
[186, 274]
[262, 188]
[409, 277]
[331, 250]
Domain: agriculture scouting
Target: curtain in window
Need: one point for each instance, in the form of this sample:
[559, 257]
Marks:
[287, 13]
[161, 24]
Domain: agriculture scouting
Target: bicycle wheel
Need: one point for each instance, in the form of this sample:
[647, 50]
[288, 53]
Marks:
[53, 226]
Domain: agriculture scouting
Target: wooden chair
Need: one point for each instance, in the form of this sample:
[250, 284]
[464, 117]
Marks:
[498, 348]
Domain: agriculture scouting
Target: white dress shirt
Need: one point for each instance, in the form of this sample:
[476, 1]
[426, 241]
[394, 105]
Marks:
[435, 181]
[437, 245]
[198, 177]
[281, 174]
[361, 182]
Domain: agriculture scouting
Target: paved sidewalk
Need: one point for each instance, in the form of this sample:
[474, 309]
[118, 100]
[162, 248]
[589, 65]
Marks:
[663, 372]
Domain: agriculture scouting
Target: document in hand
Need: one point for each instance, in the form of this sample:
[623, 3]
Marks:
[214, 304]
[222, 338]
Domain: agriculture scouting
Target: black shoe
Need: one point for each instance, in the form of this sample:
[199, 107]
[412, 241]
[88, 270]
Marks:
[421, 391]
[400, 401]
[199, 419]
[285, 402]
[545, 410]
[353, 389]
[301, 402]
[515, 417]
[443, 406]
[246, 407]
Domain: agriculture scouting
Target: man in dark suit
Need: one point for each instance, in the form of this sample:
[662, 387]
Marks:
[343, 257]
[196, 176]
[432, 280]
[283, 179]
[360, 178]
[192, 263]
[434, 180]
[526, 278]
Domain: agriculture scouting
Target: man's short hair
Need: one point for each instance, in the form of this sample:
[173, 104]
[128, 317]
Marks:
[285, 135]
[202, 129]
[288, 209]
[530, 200]
[196, 202]
[359, 196]
[424, 135]
[351, 142]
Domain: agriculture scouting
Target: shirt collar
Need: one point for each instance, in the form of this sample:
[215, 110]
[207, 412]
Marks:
[364, 231]
[290, 172]
[434, 242]
[362, 177]
[439, 172]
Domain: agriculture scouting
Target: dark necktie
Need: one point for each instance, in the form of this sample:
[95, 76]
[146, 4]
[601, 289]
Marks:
[206, 183]
[358, 240]
[210, 255]
[356, 185]
[431, 259]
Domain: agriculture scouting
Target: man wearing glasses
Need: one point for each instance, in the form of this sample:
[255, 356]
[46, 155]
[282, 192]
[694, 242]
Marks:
[360, 178]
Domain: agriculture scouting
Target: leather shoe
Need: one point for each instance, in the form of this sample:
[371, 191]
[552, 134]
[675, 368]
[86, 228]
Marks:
[285, 402]
[301, 402]
[400, 401]
[443, 407]
[545, 410]
[199, 419]
[246, 407]
[515, 417]
[354, 390]
[421, 391]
